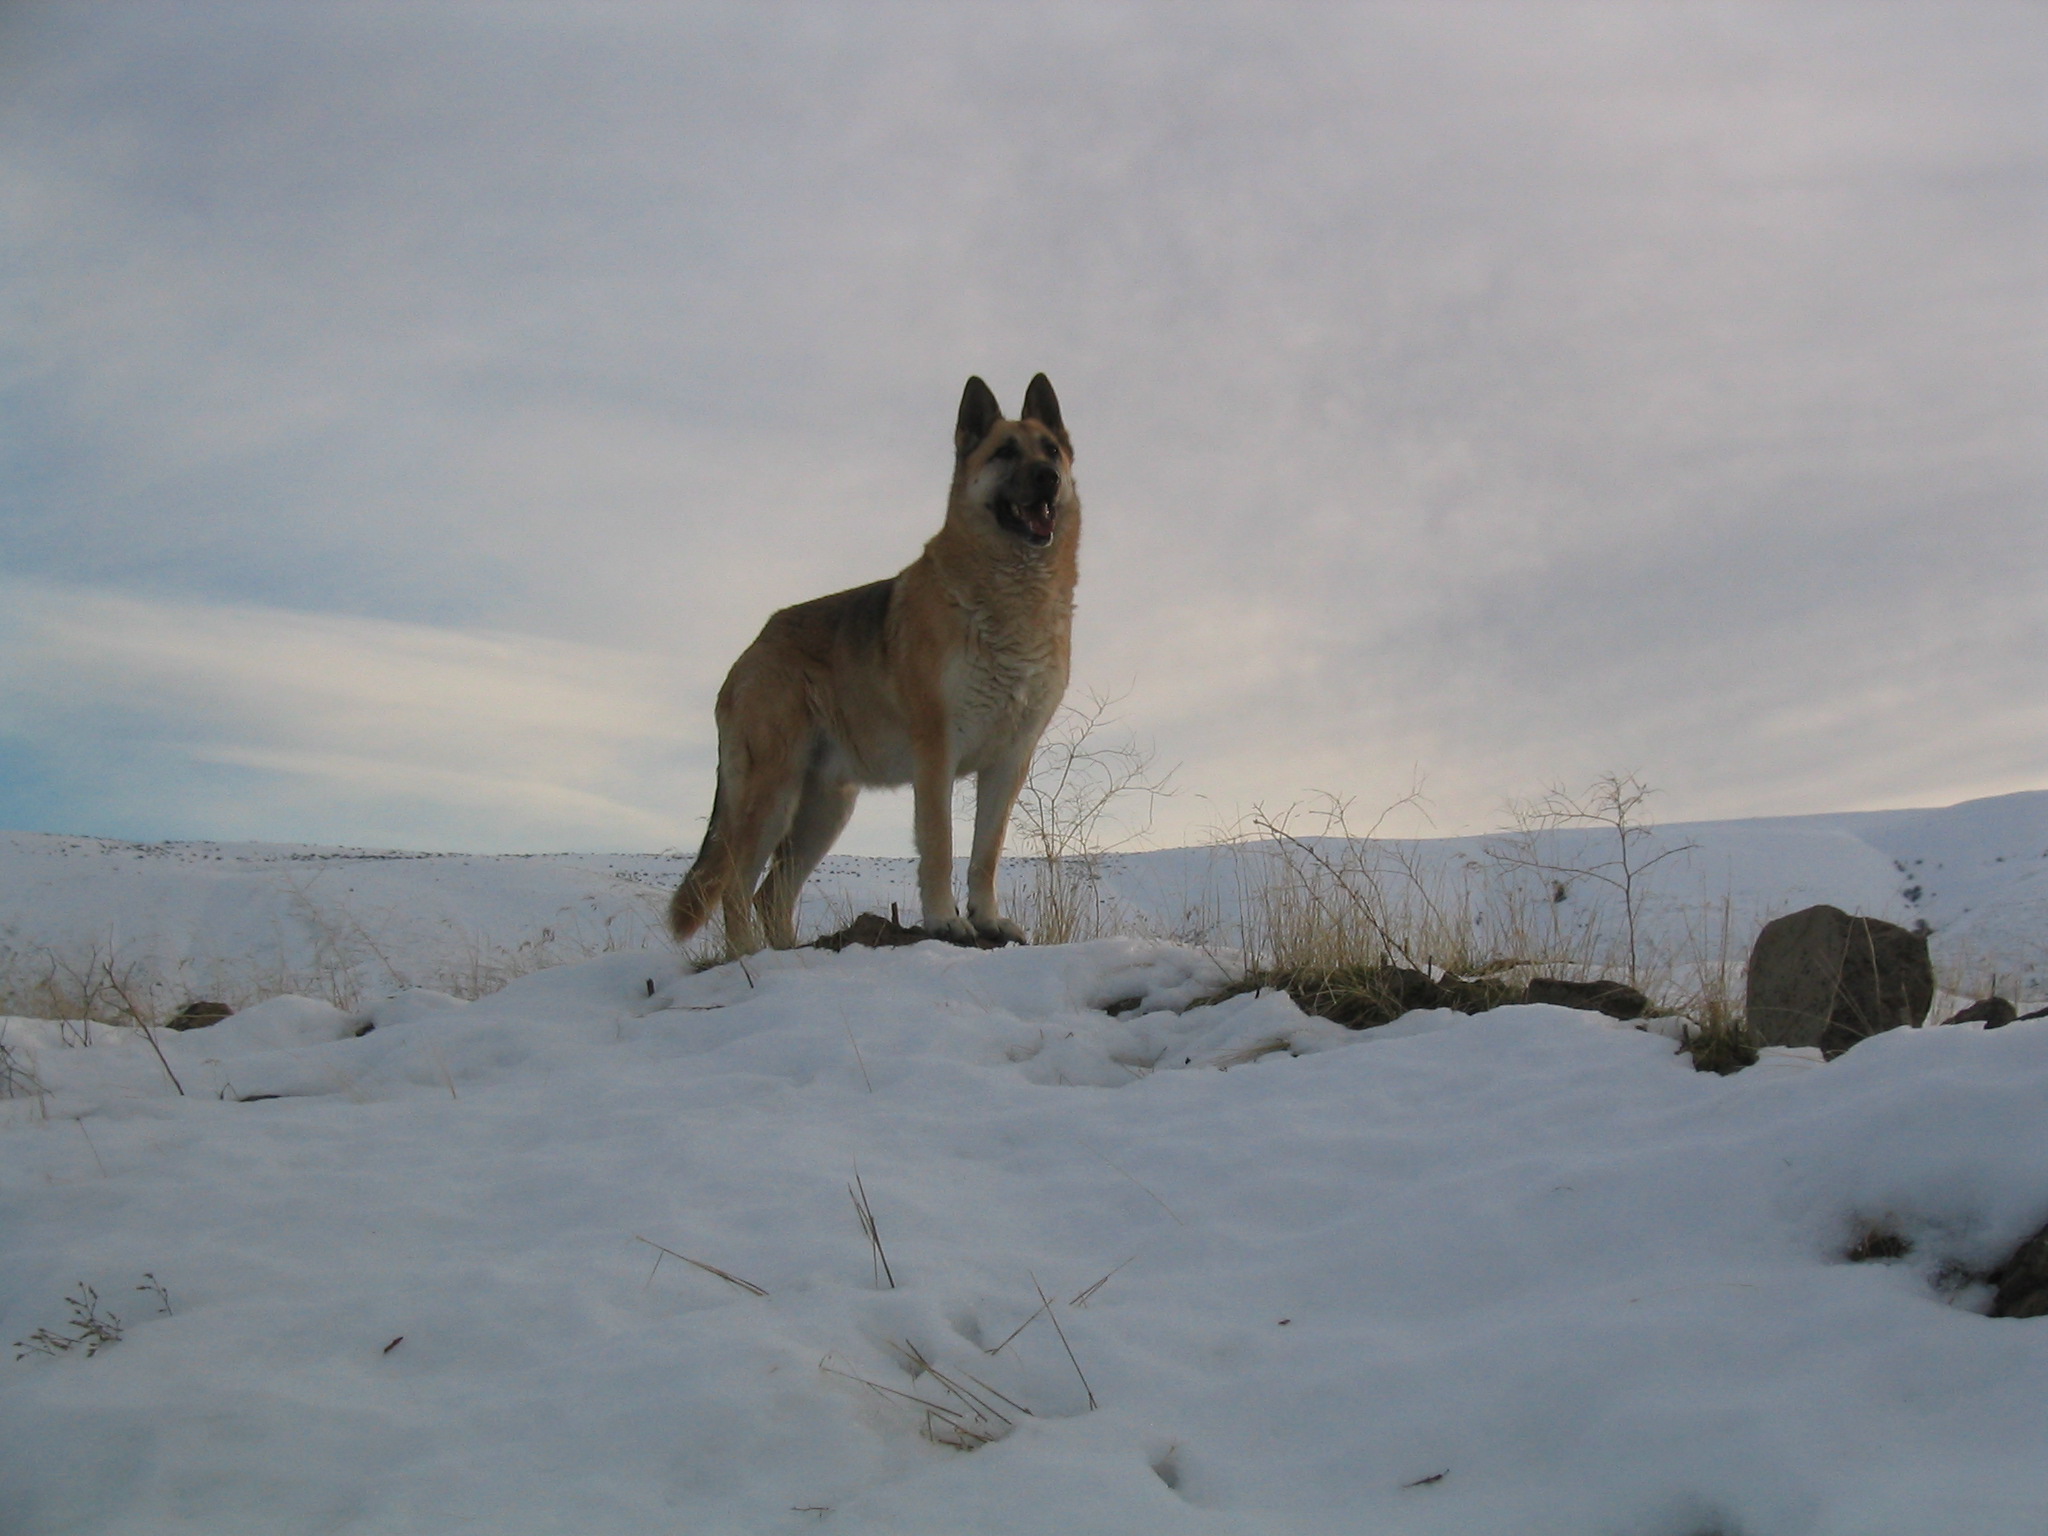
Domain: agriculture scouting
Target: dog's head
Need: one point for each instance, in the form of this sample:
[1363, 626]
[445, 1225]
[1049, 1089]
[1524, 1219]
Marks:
[1019, 472]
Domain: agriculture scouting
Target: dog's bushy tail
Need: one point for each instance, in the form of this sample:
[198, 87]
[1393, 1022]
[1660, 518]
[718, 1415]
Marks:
[699, 893]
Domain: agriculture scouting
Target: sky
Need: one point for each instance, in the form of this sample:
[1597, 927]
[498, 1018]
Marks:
[407, 413]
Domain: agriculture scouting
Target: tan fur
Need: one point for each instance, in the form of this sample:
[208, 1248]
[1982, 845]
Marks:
[953, 667]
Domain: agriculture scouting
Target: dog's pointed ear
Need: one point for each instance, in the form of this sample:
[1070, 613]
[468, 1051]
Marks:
[1043, 406]
[978, 413]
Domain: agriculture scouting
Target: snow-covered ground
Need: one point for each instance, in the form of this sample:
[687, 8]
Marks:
[1519, 1273]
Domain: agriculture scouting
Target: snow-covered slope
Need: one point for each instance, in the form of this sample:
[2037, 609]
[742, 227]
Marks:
[1978, 873]
[1520, 1274]
[241, 921]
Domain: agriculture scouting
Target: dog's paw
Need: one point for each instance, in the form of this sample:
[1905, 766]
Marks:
[999, 930]
[954, 930]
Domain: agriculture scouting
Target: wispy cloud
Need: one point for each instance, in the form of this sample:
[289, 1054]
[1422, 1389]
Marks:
[360, 730]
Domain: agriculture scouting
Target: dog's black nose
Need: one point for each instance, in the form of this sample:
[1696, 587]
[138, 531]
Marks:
[1045, 482]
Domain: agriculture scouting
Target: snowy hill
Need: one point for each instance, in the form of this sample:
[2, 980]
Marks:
[237, 922]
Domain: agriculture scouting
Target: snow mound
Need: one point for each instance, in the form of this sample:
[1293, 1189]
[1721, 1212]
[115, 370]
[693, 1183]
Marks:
[1521, 1273]
[280, 1023]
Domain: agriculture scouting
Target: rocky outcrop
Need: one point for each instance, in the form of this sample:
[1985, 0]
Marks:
[1616, 999]
[873, 931]
[1363, 996]
[1824, 978]
[1991, 1012]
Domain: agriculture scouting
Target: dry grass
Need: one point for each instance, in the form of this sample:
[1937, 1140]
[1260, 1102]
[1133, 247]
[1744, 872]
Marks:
[957, 1416]
[857, 1192]
[1318, 893]
[88, 1331]
[959, 1410]
[661, 1253]
[1361, 929]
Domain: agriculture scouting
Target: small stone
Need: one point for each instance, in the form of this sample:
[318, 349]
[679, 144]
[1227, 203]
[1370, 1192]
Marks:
[1991, 1012]
[199, 1016]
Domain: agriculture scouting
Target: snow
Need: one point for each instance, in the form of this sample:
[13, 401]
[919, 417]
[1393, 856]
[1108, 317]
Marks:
[1530, 1250]
[1522, 1273]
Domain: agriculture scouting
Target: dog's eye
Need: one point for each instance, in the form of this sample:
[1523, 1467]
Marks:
[1007, 451]
[1052, 449]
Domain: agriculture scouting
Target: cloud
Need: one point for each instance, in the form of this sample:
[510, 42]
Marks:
[351, 729]
[1505, 393]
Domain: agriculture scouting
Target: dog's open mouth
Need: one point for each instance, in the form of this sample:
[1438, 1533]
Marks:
[1031, 520]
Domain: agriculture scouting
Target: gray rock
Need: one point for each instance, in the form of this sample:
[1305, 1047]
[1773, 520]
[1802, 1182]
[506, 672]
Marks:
[1821, 977]
[2022, 1280]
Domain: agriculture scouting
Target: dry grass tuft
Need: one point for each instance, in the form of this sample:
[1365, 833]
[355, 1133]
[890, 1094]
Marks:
[957, 1416]
[1724, 1048]
[1878, 1243]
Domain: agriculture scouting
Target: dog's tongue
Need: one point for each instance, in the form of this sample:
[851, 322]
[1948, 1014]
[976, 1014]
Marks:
[1038, 518]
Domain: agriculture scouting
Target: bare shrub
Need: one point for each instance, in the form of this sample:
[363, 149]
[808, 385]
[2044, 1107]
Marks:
[1090, 792]
[95, 980]
[18, 1077]
[1613, 805]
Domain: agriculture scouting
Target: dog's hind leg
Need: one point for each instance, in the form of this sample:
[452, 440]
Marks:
[762, 824]
[821, 815]
[761, 776]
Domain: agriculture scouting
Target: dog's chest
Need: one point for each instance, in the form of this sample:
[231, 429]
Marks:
[1003, 685]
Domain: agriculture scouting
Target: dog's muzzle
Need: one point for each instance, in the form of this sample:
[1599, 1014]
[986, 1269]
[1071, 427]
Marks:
[1033, 514]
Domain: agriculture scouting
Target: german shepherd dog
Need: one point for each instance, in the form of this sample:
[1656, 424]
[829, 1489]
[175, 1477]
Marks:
[951, 667]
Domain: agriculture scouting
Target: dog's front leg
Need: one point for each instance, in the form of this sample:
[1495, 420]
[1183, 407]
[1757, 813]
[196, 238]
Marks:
[995, 794]
[932, 786]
